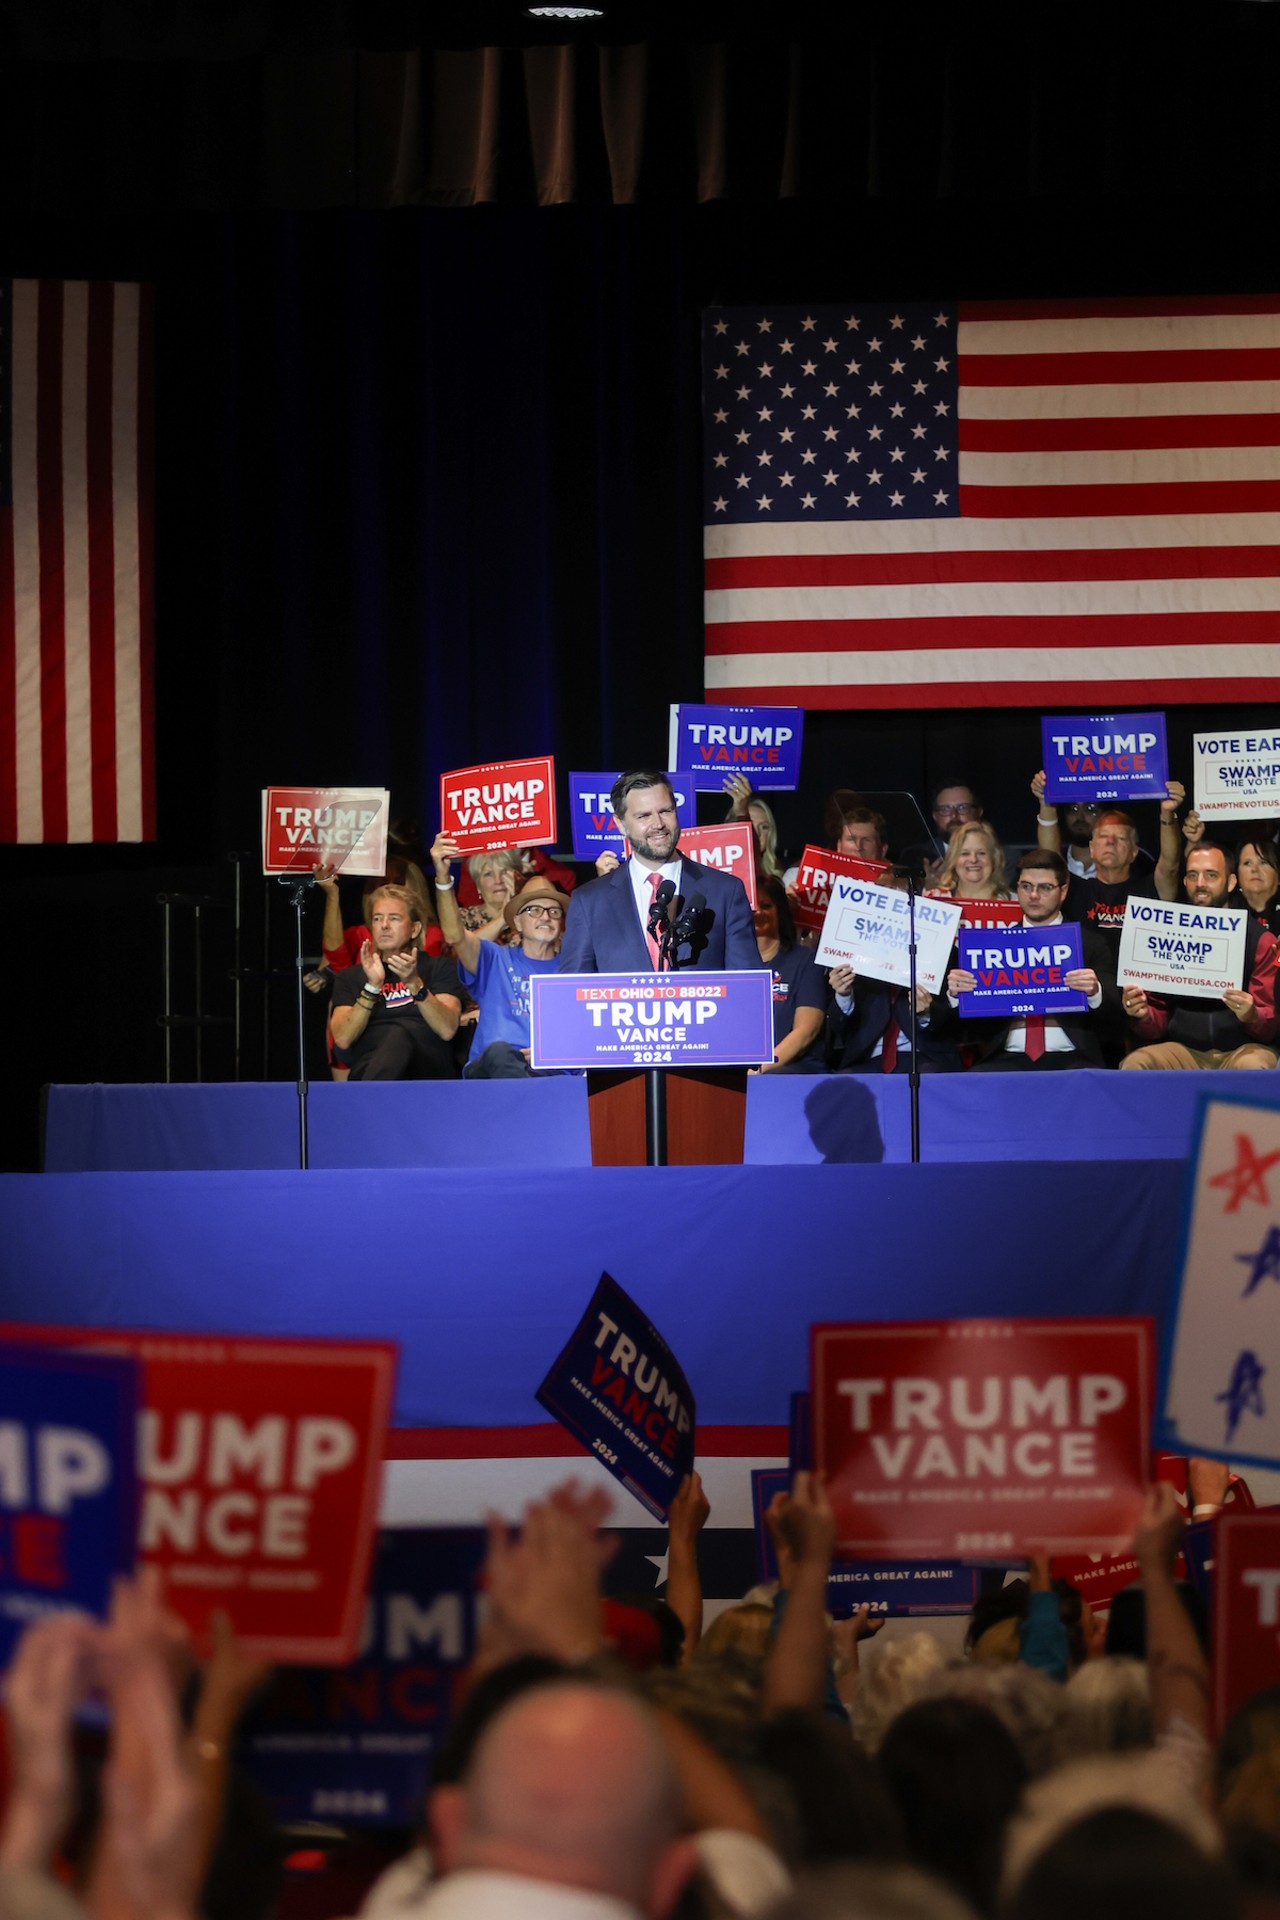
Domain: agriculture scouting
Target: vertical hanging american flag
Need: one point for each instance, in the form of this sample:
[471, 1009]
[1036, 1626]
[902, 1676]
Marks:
[995, 504]
[76, 719]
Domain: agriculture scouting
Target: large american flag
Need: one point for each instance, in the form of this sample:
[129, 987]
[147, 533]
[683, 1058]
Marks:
[76, 734]
[993, 504]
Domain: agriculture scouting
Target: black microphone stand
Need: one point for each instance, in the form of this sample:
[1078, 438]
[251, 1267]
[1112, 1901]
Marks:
[655, 1079]
[913, 1077]
[299, 884]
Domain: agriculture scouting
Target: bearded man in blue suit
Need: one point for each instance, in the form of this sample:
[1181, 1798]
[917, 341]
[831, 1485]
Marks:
[605, 928]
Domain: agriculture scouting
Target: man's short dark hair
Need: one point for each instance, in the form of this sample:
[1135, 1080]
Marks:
[975, 800]
[1212, 846]
[627, 784]
[1044, 860]
[864, 817]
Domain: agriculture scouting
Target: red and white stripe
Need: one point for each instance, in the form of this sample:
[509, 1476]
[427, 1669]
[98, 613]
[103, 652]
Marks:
[1119, 538]
[439, 1476]
[76, 710]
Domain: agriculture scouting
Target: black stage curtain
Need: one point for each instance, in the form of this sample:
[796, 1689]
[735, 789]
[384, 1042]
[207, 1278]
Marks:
[122, 105]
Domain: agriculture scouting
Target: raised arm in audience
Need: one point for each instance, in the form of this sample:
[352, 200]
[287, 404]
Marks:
[465, 944]
[1048, 832]
[797, 1670]
[51, 1671]
[685, 1521]
[544, 1581]
[1176, 1666]
[148, 1861]
[1169, 866]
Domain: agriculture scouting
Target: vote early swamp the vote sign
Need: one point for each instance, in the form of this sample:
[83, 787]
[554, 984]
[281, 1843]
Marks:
[1167, 946]
[867, 927]
[1236, 776]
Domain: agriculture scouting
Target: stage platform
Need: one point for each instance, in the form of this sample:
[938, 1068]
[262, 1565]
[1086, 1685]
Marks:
[480, 1275]
[791, 1120]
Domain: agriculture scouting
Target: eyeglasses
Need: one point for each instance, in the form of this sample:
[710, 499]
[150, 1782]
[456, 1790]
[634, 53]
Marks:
[962, 808]
[1040, 886]
[540, 912]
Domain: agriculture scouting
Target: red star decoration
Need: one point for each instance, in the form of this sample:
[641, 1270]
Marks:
[1247, 1179]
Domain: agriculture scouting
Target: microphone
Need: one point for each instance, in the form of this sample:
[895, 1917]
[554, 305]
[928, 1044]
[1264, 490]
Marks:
[691, 917]
[659, 907]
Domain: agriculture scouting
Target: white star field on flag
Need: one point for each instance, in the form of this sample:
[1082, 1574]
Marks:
[790, 386]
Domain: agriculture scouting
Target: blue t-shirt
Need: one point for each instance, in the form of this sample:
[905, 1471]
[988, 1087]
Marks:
[500, 985]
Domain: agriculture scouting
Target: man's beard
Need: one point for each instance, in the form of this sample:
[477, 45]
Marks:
[661, 852]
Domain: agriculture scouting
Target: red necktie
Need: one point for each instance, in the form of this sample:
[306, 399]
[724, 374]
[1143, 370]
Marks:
[889, 1038]
[655, 881]
[1034, 1043]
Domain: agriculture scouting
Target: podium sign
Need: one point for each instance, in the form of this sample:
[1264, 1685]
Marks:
[627, 1020]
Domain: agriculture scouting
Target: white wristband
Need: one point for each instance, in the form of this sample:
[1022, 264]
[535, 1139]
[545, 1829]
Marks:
[1052, 821]
[445, 886]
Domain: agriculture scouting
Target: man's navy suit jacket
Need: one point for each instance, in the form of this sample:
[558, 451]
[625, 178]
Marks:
[854, 1035]
[603, 933]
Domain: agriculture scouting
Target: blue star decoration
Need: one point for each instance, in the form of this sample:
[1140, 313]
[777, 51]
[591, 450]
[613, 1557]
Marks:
[1244, 1394]
[1264, 1264]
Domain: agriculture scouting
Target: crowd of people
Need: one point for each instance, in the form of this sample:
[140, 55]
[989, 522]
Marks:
[609, 1760]
[434, 981]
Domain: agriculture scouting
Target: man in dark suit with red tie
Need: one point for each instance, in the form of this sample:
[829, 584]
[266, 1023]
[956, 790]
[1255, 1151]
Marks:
[606, 930]
[1044, 1041]
[869, 1028]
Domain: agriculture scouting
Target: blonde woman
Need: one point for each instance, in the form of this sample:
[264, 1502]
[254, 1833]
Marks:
[974, 865]
[499, 877]
[749, 806]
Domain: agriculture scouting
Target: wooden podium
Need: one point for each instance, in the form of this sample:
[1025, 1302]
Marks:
[706, 1116]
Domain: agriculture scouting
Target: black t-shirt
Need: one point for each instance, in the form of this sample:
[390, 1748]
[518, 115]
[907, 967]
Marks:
[797, 982]
[396, 1002]
[1100, 903]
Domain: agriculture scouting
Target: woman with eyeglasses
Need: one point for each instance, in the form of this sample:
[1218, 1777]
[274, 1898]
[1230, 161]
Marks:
[499, 976]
